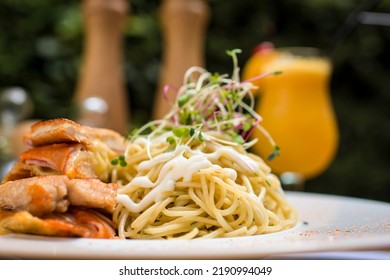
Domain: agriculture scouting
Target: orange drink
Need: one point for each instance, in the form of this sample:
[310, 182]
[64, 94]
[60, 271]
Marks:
[297, 112]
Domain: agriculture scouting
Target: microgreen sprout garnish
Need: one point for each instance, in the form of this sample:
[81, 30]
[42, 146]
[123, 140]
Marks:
[208, 105]
[121, 160]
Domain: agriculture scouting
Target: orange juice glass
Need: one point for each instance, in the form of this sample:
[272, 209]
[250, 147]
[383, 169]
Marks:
[297, 111]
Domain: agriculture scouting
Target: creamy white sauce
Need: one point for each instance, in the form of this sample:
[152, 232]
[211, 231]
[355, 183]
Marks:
[177, 166]
[240, 159]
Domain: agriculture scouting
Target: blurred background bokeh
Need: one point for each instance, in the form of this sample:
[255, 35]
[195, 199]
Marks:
[41, 43]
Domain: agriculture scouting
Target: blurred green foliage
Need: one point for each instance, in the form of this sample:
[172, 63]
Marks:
[41, 44]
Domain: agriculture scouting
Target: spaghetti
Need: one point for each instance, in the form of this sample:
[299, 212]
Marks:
[191, 175]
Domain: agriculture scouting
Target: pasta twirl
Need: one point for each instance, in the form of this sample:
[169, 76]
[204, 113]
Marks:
[191, 174]
[213, 195]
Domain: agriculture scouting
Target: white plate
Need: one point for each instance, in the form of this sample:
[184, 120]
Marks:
[327, 223]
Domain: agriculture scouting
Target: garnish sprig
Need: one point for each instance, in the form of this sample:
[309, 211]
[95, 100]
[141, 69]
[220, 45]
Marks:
[207, 103]
[217, 102]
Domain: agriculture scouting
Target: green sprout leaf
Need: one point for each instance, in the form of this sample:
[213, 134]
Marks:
[214, 78]
[181, 132]
[247, 125]
[171, 140]
[238, 139]
[274, 154]
[233, 52]
[192, 131]
[200, 137]
[121, 160]
[183, 99]
[132, 133]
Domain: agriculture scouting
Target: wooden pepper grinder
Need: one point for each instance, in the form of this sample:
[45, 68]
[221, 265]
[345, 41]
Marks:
[184, 25]
[101, 90]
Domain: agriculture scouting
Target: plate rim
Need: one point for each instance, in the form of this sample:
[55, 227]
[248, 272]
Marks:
[11, 246]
